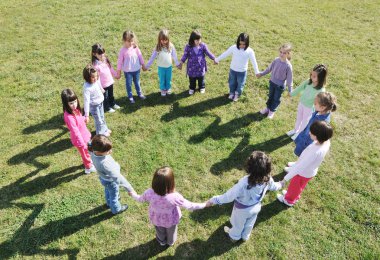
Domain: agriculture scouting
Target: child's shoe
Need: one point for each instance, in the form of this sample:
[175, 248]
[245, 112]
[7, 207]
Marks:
[227, 231]
[284, 192]
[291, 132]
[281, 198]
[202, 90]
[116, 106]
[264, 111]
[123, 208]
[286, 169]
[169, 91]
[163, 93]
[270, 114]
[107, 133]
[191, 91]
[90, 170]
[231, 96]
[290, 164]
[131, 100]
[111, 110]
[142, 97]
[294, 137]
[236, 97]
[160, 243]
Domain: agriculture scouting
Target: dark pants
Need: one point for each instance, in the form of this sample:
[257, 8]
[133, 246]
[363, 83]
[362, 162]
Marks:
[109, 99]
[193, 82]
[274, 96]
[166, 235]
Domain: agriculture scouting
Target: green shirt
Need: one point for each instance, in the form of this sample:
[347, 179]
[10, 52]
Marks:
[308, 93]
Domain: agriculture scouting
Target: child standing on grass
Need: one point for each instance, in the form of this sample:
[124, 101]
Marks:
[324, 104]
[106, 72]
[75, 122]
[306, 167]
[281, 71]
[164, 205]
[195, 52]
[241, 53]
[93, 100]
[109, 172]
[247, 195]
[130, 61]
[309, 89]
[164, 53]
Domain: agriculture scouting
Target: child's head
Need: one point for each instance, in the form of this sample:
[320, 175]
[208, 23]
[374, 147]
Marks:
[163, 181]
[325, 102]
[163, 40]
[286, 51]
[318, 76]
[129, 39]
[320, 131]
[70, 101]
[259, 167]
[97, 52]
[90, 74]
[242, 41]
[100, 143]
[195, 38]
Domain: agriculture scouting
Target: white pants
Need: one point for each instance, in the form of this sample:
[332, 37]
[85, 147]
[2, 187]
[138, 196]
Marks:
[303, 115]
[242, 221]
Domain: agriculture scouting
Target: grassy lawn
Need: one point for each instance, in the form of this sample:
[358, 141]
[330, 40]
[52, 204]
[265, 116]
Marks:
[50, 209]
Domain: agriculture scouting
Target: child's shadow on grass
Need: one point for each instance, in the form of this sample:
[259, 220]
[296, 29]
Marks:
[244, 149]
[56, 122]
[143, 251]
[30, 241]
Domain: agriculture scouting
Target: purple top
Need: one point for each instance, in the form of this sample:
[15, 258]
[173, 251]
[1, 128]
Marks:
[164, 211]
[196, 65]
[280, 71]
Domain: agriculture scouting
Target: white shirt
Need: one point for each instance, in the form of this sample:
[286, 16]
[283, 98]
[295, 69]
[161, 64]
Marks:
[309, 161]
[240, 58]
[93, 95]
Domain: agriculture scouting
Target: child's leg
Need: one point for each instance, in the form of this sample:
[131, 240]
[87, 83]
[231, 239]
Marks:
[303, 114]
[113, 193]
[161, 235]
[232, 81]
[106, 191]
[168, 78]
[270, 95]
[86, 158]
[128, 83]
[296, 186]
[111, 98]
[161, 77]
[238, 220]
[106, 99]
[201, 82]
[171, 234]
[136, 81]
[97, 112]
[193, 83]
[248, 226]
[241, 79]
[277, 97]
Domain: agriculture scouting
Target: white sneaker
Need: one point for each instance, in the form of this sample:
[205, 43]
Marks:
[236, 97]
[290, 164]
[282, 199]
[227, 231]
[231, 96]
[111, 110]
[284, 192]
[291, 132]
[116, 106]
[202, 90]
[270, 114]
[90, 170]
[163, 93]
[294, 137]
[264, 111]
[141, 96]
[286, 169]
[131, 100]
[169, 91]
[191, 91]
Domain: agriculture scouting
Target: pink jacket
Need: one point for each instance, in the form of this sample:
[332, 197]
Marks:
[164, 211]
[79, 133]
[105, 73]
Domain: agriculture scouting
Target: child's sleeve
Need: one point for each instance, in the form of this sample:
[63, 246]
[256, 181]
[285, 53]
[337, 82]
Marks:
[184, 203]
[208, 52]
[141, 198]
[273, 186]
[174, 56]
[229, 196]
[252, 57]
[86, 102]
[139, 54]
[267, 70]
[113, 170]
[299, 89]
[289, 78]
[74, 130]
[150, 61]
[120, 59]
[186, 53]
[225, 54]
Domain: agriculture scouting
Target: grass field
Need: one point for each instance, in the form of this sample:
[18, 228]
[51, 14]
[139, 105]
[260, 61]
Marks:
[50, 209]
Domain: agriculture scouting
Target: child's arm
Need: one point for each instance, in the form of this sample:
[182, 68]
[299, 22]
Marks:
[289, 79]
[141, 59]
[71, 123]
[120, 61]
[209, 53]
[141, 198]
[185, 56]
[225, 54]
[86, 104]
[299, 89]
[252, 57]
[174, 56]
[184, 203]
[301, 165]
[229, 196]
[152, 58]
[266, 71]
[273, 186]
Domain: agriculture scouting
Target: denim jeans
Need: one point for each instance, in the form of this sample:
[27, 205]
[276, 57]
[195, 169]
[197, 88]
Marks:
[109, 100]
[193, 82]
[97, 112]
[242, 221]
[274, 96]
[111, 192]
[135, 76]
[236, 81]
[165, 77]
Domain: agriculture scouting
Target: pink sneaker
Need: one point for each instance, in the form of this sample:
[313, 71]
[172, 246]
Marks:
[270, 114]
[264, 111]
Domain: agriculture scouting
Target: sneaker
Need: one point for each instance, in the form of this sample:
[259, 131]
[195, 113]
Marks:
[270, 114]
[163, 93]
[294, 137]
[123, 208]
[141, 96]
[281, 198]
[131, 100]
[284, 192]
[191, 91]
[202, 90]
[107, 134]
[264, 111]
[111, 110]
[236, 97]
[227, 231]
[291, 132]
[90, 170]
[231, 96]
[286, 169]
[116, 106]
[160, 243]
[169, 91]
[290, 164]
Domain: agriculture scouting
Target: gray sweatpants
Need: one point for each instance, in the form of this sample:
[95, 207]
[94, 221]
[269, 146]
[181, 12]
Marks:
[166, 235]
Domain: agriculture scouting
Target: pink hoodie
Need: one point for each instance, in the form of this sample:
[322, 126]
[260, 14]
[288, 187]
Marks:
[79, 133]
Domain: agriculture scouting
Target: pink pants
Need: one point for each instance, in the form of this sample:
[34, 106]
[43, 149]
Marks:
[303, 114]
[86, 158]
[296, 186]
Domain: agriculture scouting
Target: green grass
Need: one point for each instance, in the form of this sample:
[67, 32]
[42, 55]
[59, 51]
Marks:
[49, 208]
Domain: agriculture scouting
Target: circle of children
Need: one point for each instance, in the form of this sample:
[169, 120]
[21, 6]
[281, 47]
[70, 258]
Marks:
[311, 132]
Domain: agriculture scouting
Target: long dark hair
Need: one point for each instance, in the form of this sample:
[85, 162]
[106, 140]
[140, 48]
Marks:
[195, 35]
[97, 48]
[243, 37]
[259, 167]
[321, 71]
[68, 95]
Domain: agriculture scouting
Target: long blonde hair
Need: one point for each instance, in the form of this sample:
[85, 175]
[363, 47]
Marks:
[163, 35]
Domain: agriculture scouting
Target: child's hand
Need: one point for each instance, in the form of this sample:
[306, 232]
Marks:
[144, 67]
[179, 66]
[132, 193]
[86, 119]
[215, 62]
[283, 182]
[258, 75]
[209, 203]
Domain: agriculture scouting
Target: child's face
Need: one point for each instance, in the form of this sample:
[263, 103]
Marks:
[128, 43]
[164, 42]
[100, 57]
[283, 54]
[242, 45]
[93, 77]
[313, 137]
[317, 106]
[73, 104]
[197, 42]
[314, 78]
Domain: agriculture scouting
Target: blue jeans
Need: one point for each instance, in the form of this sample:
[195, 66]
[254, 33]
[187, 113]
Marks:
[242, 221]
[236, 81]
[135, 76]
[274, 96]
[111, 192]
[97, 111]
[165, 77]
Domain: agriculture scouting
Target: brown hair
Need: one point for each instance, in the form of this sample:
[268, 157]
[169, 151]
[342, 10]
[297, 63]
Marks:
[128, 35]
[259, 167]
[88, 71]
[327, 100]
[100, 143]
[68, 95]
[322, 130]
[321, 71]
[163, 35]
[163, 181]
[288, 48]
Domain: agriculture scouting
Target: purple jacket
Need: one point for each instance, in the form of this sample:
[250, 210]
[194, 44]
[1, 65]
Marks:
[196, 65]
